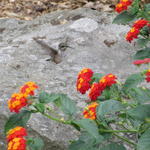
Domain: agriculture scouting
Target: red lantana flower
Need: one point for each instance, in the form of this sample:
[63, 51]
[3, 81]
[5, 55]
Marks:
[107, 81]
[86, 72]
[123, 5]
[132, 34]
[135, 30]
[16, 132]
[126, 2]
[83, 80]
[143, 61]
[95, 91]
[83, 85]
[140, 23]
[147, 75]
[90, 111]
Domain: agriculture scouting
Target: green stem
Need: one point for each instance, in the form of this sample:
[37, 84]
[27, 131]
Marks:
[124, 139]
[56, 119]
[117, 131]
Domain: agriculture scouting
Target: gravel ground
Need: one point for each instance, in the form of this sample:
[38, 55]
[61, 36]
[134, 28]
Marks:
[30, 9]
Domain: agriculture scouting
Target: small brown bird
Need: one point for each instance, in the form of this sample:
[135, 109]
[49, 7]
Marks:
[55, 56]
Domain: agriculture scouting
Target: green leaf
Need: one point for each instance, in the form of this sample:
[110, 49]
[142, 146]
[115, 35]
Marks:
[141, 112]
[85, 142]
[141, 95]
[146, 13]
[142, 42]
[133, 80]
[113, 146]
[91, 127]
[141, 54]
[67, 105]
[61, 100]
[35, 144]
[96, 77]
[108, 107]
[45, 97]
[81, 145]
[17, 120]
[144, 141]
[40, 107]
[124, 18]
[135, 7]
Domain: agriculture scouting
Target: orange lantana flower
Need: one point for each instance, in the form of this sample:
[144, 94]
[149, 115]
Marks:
[17, 144]
[28, 89]
[16, 102]
[90, 111]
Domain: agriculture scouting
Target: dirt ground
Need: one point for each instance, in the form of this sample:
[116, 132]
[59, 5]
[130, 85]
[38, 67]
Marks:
[30, 9]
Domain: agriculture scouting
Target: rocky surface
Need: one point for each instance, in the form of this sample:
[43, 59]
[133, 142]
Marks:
[92, 42]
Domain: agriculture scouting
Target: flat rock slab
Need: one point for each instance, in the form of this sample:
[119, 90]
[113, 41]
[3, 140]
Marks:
[92, 42]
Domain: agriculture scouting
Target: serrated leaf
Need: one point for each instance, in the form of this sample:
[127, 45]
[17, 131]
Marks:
[141, 54]
[123, 18]
[35, 144]
[144, 141]
[142, 42]
[17, 120]
[141, 95]
[45, 97]
[67, 105]
[133, 80]
[108, 107]
[85, 142]
[141, 112]
[113, 146]
[90, 127]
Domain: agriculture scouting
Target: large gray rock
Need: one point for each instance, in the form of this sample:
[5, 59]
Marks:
[93, 42]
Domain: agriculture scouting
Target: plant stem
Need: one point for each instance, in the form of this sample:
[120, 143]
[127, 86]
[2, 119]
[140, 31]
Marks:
[117, 131]
[56, 119]
[124, 139]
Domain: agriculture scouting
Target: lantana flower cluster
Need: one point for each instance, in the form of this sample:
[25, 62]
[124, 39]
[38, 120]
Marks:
[135, 30]
[123, 5]
[84, 83]
[15, 138]
[98, 88]
[141, 61]
[147, 72]
[20, 100]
